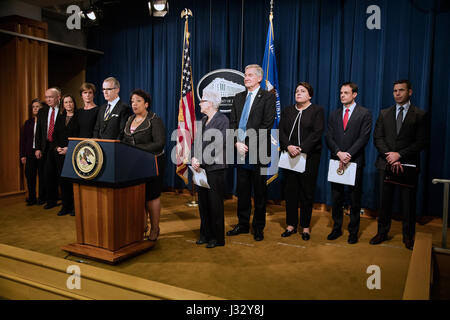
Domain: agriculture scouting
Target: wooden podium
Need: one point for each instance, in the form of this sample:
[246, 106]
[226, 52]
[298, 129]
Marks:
[110, 208]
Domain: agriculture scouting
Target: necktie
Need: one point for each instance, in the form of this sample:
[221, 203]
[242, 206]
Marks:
[400, 119]
[51, 126]
[346, 118]
[107, 112]
[244, 117]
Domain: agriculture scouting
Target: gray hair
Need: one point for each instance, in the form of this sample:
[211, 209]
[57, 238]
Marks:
[212, 96]
[114, 80]
[259, 70]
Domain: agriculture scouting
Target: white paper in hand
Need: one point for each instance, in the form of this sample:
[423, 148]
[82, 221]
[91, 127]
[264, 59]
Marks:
[297, 163]
[347, 177]
[200, 178]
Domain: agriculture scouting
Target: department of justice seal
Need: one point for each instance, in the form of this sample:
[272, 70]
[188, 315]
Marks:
[87, 159]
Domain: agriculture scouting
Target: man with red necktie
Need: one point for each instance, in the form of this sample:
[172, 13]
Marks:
[45, 145]
[348, 132]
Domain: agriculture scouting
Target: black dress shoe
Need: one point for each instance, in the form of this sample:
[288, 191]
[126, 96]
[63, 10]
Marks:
[62, 212]
[201, 241]
[334, 235]
[41, 202]
[213, 244]
[31, 203]
[352, 238]
[379, 238]
[49, 205]
[237, 230]
[288, 233]
[306, 236]
[72, 212]
[258, 235]
[409, 243]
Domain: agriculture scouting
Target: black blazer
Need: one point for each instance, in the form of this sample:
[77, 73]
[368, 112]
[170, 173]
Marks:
[219, 122]
[355, 137]
[26, 138]
[150, 135]
[41, 127]
[411, 140]
[262, 116]
[63, 132]
[312, 124]
[112, 127]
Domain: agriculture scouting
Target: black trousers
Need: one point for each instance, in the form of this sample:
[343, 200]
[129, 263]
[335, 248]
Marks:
[33, 168]
[408, 205]
[338, 194]
[66, 187]
[210, 205]
[248, 179]
[301, 186]
[51, 173]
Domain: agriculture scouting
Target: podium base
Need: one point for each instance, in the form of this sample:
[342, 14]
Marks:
[108, 256]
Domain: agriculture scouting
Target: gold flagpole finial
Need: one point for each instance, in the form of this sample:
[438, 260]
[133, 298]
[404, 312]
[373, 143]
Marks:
[271, 10]
[185, 13]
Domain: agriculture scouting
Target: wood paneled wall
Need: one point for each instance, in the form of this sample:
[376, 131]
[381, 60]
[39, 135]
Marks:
[23, 77]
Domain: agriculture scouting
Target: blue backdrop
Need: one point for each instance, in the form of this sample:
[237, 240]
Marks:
[322, 42]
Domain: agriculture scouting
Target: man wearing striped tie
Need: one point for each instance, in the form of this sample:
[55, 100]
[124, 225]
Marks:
[348, 132]
[45, 145]
[113, 115]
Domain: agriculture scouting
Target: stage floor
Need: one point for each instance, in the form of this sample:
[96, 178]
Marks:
[276, 268]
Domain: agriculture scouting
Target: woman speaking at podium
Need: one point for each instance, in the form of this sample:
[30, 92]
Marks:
[145, 130]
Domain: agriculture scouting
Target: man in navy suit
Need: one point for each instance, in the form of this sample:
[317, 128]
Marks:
[113, 115]
[253, 111]
[401, 133]
[348, 132]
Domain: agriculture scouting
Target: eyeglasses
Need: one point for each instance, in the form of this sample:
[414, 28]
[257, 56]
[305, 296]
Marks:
[109, 89]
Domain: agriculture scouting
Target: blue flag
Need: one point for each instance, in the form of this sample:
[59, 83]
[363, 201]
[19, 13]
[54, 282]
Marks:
[270, 83]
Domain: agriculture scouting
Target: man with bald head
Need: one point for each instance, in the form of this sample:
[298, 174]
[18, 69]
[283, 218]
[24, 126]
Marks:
[46, 145]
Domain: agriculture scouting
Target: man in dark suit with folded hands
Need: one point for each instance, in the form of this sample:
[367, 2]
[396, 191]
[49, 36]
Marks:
[113, 115]
[253, 111]
[401, 133]
[348, 132]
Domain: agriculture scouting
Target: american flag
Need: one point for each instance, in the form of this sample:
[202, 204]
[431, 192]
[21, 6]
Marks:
[186, 112]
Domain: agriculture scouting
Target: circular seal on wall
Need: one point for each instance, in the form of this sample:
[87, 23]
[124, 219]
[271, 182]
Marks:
[87, 159]
[227, 82]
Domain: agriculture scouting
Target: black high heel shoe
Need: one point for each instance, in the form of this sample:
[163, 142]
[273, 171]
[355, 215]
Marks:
[288, 233]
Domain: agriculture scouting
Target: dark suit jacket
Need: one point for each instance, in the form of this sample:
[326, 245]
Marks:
[262, 116]
[63, 132]
[150, 135]
[26, 138]
[411, 140]
[355, 137]
[219, 122]
[312, 124]
[41, 127]
[112, 127]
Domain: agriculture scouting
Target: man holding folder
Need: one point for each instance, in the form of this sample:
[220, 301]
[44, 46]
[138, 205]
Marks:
[348, 132]
[401, 133]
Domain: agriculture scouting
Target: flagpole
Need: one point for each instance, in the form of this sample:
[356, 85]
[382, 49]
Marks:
[185, 14]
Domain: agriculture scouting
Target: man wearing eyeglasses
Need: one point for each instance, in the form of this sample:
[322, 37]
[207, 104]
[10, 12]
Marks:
[113, 115]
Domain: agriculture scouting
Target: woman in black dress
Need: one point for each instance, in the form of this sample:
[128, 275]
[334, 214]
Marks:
[66, 126]
[301, 127]
[145, 130]
[33, 166]
[88, 114]
[210, 201]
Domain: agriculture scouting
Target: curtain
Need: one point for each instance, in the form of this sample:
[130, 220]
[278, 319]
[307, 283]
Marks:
[324, 42]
